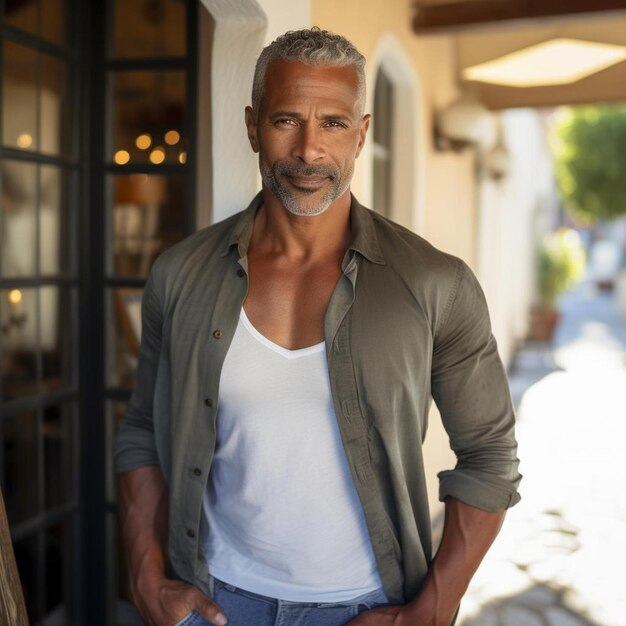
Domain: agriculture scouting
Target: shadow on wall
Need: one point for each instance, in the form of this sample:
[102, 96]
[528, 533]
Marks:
[539, 605]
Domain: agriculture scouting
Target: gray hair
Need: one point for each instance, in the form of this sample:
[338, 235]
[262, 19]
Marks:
[311, 47]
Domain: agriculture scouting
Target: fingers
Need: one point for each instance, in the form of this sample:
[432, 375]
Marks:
[209, 610]
[172, 601]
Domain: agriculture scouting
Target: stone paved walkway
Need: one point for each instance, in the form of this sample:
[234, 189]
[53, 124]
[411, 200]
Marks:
[560, 559]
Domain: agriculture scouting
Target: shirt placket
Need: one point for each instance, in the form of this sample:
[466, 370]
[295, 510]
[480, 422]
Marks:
[352, 427]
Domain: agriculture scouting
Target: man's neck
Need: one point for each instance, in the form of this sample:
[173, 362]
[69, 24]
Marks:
[277, 232]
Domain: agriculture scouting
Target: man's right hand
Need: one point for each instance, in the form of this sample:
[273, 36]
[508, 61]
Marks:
[143, 509]
[165, 602]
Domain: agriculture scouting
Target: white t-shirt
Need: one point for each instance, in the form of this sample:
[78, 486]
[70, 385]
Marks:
[282, 515]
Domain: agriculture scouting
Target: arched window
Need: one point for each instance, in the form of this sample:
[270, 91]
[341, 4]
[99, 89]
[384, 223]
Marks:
[383, 129]
[392, 181]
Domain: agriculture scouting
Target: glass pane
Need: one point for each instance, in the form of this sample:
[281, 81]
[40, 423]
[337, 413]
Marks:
[116, 411]
[58, 455]
[19, 100]
[57, 322]
[54, 105]
[124, 306]
[382, 186]
[149, 28]
[59, 553]
[148, 212]
[27, 557]
[19, 97]
[148, 117]
[22, 14]
[54, 20]
[20, 466]
[383, 110]
[46, 18]
[19, 218]
[18, 319]
[55, 229]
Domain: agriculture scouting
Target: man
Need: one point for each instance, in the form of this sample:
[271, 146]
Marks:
[270, 461]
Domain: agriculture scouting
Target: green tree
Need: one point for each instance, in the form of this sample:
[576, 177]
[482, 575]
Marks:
[561, 263]
[588, 144]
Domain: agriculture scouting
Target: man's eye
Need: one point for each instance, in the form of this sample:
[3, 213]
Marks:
[335, 124]
[285, 122]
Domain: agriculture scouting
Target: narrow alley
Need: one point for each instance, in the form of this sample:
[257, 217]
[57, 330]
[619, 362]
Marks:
[559, 560]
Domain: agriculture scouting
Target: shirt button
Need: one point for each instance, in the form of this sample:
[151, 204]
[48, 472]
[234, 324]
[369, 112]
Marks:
[197, 471]
[217, 334]
[190, 533]
[208, 401]
[240, 273]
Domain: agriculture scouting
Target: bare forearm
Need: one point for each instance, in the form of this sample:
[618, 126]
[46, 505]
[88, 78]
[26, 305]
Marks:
[468, 533]
[143, 508]
[143, 503]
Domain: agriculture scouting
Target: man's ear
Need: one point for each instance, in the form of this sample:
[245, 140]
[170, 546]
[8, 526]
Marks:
[251, 125]
[365, 124]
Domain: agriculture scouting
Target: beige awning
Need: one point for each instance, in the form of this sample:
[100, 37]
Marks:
[482, 36]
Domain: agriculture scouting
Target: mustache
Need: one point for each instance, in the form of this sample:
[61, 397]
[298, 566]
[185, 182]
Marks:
[302, 169]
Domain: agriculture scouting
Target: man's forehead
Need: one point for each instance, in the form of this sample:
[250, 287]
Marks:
[286, 80]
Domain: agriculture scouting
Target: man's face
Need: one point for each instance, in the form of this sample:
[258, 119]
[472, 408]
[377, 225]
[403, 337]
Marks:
[308, 133]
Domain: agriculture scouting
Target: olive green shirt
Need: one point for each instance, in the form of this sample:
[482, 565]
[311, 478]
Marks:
[406, 322]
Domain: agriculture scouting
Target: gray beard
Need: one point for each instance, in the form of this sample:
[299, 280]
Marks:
[272, 177]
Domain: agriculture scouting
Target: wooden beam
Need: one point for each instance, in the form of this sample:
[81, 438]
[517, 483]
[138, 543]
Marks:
[12, 608]
[458, 16]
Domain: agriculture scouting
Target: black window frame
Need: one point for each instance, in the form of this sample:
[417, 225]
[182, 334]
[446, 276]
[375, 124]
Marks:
[89, 28]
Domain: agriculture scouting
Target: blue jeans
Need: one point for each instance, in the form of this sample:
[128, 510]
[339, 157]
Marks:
[244, 608]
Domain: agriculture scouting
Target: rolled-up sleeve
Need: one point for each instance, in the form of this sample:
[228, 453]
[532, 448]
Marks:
[135, 444]
[470, 388]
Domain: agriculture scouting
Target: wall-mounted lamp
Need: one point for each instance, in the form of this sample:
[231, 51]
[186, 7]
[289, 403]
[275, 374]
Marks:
[463, 123]
[496, 161]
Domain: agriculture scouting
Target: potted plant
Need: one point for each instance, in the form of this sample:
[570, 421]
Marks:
[561, 263]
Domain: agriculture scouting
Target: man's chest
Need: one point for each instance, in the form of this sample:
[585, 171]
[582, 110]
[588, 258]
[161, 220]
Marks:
[287, 302]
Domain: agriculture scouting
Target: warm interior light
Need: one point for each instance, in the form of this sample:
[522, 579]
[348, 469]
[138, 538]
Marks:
[182, 157]
[15, 296]
[157, 155]
[143, 142]
[24, 140]
[555, 62]
[121, 157]
[172, 137]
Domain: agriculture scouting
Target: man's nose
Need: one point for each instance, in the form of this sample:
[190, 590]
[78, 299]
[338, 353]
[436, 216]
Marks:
[309, 145]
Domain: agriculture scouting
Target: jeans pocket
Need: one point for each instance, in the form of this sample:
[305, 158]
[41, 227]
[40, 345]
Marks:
[374, 599]
[188, 619]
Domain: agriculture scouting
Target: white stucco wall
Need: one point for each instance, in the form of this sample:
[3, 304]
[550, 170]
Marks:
[284, 16]
[239, 33]
[242, 29]
[506, 240]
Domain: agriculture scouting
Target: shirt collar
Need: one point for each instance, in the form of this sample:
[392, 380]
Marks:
[363, 238]
[242, 231]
